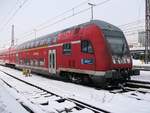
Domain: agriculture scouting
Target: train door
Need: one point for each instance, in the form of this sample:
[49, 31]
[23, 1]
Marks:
[52, 61]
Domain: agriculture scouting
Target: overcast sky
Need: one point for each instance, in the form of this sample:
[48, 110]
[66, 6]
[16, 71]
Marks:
[36, 14]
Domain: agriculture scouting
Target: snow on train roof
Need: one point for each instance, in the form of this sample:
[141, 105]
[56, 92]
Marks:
[105, 25]
[44, 39]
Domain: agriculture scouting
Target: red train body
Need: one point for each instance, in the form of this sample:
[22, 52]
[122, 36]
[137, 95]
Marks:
[95, 50]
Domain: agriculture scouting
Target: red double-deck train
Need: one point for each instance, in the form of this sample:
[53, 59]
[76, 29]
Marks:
[94, 51]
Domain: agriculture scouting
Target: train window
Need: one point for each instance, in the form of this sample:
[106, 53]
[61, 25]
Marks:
[35, 62]
[33, 44]
[41, 61]
[27, 62]
[46, 41]
[31, 62]
[37, 43]
[21, 61]
[86, 46]
[30, 44]
[67, 48]
[17, 59]
[41, 42]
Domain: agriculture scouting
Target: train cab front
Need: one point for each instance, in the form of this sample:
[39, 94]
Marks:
[113, 59]
[120, 55]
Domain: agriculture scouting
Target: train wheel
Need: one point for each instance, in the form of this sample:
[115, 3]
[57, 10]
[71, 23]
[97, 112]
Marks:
[75, 78]
[87, 80]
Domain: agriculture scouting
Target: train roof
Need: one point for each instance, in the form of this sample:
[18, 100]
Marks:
[99, 23]
[105, 25]
[44, 39]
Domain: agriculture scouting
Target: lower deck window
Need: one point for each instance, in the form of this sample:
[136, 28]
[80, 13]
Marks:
[41, 62]
[67, 48]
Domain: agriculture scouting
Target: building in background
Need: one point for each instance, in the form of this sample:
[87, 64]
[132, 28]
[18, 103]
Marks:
[135, 33]
[141, 38]
[132, 39]
[136, 39]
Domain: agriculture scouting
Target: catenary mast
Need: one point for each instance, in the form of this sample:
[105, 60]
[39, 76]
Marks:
[147, 29]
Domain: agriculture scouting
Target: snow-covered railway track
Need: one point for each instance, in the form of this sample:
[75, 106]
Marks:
[133, 85]
[138, 84]
[39, 100]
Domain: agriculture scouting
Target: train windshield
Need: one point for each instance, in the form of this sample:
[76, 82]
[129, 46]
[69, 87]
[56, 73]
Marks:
[117, 42]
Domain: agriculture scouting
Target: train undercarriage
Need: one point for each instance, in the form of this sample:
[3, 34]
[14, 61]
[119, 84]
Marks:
[109, 78]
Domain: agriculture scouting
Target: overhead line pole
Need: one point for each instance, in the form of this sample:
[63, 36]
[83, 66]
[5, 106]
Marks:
[92, 5]
[147, 29]
[73, 14]
[13, 15]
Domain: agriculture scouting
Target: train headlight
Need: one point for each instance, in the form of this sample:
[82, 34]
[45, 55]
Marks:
[113, 59]
[124, 60]
[128, 60]
[119, 61]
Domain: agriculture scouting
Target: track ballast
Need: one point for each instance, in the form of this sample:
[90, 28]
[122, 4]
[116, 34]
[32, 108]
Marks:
[74, 105]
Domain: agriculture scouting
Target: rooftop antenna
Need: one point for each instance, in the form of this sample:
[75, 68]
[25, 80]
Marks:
[92, 5]
[12, 36]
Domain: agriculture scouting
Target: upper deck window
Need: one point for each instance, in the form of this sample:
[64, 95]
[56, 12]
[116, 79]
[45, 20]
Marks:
[86, 46]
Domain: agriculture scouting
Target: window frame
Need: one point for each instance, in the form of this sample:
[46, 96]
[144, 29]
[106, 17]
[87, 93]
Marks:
[67, 50]
[89, 44]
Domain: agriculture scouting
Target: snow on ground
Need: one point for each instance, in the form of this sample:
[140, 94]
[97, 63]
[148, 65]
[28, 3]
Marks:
[144, 76]
[8, 104]
[139, 63]
[116, 103]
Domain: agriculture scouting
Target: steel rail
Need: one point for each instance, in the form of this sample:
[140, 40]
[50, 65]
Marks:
[77, 102]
